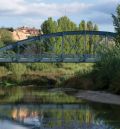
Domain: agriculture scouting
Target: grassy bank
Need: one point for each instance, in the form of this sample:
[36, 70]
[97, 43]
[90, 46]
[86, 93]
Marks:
[39, 74]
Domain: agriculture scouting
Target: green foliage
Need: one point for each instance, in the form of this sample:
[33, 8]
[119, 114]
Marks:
[40, 66]
[1, 43]
[96, 27]
[89, 25]
[11, 95]
[84, 69]
[55, 97]
[107, 69]
[3, 71]
[17, 71]
[29, 95]
[7, 84]
[103, 75]
[82, 25]
[90, 40]
[116, 22]
[65, 24]
[5, 36]
[49, 26]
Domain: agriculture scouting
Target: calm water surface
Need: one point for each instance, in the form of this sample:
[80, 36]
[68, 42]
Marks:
[35, 109]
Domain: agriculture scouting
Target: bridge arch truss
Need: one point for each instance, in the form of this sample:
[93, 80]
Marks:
[71, 46]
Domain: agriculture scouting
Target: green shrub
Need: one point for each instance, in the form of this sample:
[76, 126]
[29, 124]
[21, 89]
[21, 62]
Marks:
[6, 36]
[17, 71]
[107, 70]
[3, 71]
[84, 70]
[40, 66]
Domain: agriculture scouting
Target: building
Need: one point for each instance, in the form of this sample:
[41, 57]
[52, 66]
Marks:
[24, 33]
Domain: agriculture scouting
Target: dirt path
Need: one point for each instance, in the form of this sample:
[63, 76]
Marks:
[97, 96]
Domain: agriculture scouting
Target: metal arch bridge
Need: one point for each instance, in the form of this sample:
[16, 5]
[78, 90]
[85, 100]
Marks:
[71, 46]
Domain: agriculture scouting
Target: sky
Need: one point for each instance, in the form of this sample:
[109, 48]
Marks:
[16, 13]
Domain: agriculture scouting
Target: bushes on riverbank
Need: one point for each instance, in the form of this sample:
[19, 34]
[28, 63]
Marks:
[105, 74]
[107, 71]
[38, 73]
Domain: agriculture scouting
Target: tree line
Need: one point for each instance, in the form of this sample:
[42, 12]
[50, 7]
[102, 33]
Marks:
[65, 24]
[72, 44]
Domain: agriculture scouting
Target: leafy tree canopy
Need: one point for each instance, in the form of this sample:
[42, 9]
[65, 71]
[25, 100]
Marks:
[49, 26]
[116, 22]
[5, 36]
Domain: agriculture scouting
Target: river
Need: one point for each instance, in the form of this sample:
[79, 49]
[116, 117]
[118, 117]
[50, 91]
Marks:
[33, 108]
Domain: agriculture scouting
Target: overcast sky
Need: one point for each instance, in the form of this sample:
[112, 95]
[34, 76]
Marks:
[14, 13]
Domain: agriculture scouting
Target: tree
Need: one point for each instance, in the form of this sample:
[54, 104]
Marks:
[81, 39]
[89, 25]
[65, 24]
[82, 25]
[49, 26]
[89, 38]
[96, 39]
[71, 43]
[11, 29]
[116, 22]
[1, 43]
[95, 28]
[6, 36]
[17, 71]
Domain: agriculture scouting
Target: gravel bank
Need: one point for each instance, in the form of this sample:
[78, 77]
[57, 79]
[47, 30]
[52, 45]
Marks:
[97, 96]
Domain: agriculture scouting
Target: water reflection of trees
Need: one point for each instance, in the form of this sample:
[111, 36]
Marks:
[25, 95]
[109, 113]
[57, 117]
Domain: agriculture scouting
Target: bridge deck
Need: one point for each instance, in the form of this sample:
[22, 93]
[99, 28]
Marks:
[51, 59]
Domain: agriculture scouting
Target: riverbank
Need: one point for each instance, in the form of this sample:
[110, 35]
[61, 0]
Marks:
[37, 94]
[94, 96]
[40, 74]
[98, 96]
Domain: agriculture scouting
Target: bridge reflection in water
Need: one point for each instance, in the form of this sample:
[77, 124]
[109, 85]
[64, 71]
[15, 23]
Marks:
[54, 117]
[72, 46]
